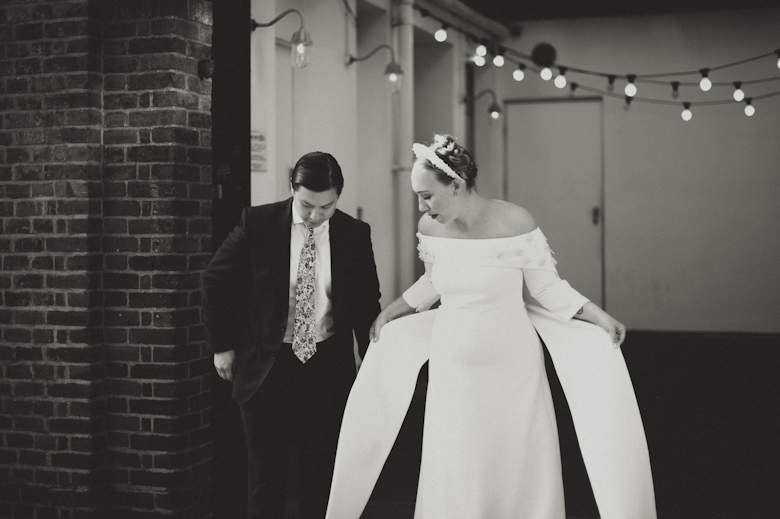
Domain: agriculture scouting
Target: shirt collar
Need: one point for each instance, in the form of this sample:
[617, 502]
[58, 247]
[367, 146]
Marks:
[297, 220]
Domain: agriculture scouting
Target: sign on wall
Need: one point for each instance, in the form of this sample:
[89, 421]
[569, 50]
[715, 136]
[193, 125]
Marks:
[259, 152]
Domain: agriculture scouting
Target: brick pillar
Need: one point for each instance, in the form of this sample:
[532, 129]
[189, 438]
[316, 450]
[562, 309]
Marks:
[156, 240]
[105, 185]
[50, 149]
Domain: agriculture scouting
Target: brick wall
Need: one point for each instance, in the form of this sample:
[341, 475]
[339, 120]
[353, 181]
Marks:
[105, 179]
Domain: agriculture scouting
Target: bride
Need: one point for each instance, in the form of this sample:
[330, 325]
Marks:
[490, 445]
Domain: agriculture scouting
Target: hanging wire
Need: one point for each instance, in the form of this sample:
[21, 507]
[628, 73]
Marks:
[643, 78]
[611, 77]
[607, 93]
[350, 12]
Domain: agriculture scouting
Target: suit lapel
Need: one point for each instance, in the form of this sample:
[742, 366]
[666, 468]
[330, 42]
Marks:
[338, 262]
[280, 255]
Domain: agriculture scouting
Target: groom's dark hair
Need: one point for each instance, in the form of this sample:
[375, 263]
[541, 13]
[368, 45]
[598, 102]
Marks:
[317, 171]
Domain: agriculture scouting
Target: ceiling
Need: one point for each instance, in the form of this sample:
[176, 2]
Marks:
[509, 11]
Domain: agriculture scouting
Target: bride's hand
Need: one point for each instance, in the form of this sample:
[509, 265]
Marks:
[380, 321]
[613, 327]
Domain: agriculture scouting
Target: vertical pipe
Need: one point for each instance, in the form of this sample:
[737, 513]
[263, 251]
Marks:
[262, 107]
[406, 222]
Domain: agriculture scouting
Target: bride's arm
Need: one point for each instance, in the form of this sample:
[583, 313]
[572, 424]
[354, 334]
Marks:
[394, 310]
[417, 298]
[591, 313]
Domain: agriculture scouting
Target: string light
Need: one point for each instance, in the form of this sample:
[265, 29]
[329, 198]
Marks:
[560, 79]
[630, 86]
[573, 87]
[739, 95]
[675, 89]
[705, 82]
[627, 106]
[686, 113]
[441, 34]
[545, 61]
[749, 108]
[519, 73]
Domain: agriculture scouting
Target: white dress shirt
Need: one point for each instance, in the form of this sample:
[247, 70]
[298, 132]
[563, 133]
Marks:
[323, 306]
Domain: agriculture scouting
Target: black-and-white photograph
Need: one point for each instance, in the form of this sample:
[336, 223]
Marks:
[389, 259]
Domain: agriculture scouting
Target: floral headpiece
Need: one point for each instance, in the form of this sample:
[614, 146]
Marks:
[421, 150]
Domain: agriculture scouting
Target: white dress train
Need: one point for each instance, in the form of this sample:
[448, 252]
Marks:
[490, 444]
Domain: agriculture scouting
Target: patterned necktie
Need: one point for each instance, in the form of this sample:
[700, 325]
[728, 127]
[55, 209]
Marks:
[304, 338]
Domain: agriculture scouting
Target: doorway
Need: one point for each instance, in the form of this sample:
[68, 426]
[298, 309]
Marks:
[554, 169]
[231, 172]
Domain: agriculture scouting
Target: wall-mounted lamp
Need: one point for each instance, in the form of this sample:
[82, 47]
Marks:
[393, 71]
[494, 109]
[300, 40]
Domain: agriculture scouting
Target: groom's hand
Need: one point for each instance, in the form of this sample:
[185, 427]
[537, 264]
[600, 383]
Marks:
[223, 362]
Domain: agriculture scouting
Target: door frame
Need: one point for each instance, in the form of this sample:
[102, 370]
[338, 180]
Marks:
[602, 190]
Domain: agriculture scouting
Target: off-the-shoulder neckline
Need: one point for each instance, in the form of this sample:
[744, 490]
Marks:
[419, 234]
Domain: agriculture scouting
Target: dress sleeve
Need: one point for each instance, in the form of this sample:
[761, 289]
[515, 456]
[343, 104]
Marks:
[553, 293]
[543, 283]
[421, 295]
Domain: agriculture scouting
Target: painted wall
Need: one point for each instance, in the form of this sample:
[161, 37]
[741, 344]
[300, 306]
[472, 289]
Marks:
[374, 138]
[322, 111]
[691, 208]
[349, 111]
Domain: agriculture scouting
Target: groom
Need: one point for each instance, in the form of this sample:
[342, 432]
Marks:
[283, 296]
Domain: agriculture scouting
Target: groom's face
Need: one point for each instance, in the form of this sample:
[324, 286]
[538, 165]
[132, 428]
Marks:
[315, 207]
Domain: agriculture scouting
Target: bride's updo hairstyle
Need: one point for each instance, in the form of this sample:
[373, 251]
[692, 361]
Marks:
[455, 156]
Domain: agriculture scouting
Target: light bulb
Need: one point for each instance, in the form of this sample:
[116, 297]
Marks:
[630, 90]
[778, 63]
[479, 61]
[560, 81]
[396, 80]
[687, 114]
[675, 89]
[395, 76]
[495, 115]
[299, 48]
[300, 55]
[518, 74]
[441, 35]
[610, 83]
[750, 110]
[498, 60]
[481, 50]
[739, 95]
[705, 84]
[546, 73]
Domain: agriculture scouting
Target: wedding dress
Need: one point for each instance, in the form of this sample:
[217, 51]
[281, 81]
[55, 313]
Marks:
[490, 446]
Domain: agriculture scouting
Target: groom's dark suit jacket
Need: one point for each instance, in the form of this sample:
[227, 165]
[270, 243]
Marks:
[246, 292]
